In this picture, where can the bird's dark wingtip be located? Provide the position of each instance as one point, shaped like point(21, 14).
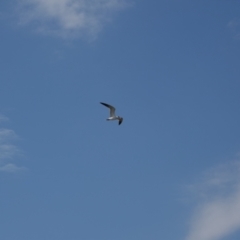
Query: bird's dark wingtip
point(120, 121)
point(105, 104)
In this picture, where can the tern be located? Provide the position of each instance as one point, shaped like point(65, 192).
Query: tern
point(112, 113)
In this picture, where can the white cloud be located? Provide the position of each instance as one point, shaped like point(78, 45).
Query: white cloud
point(69, 18)
point(217, 215)
point(8, 151)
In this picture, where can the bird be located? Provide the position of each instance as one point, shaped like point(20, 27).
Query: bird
point(112, 113)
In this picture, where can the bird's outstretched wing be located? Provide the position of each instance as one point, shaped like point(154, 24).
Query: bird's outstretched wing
point(112, 109)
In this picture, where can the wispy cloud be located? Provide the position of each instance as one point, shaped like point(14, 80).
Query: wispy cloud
point(10, 167)
point(8, 151)
point(217, 214)
point(69, 18)
point(3, 118)
point(234, 26)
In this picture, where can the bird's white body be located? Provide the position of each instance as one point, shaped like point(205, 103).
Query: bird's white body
point(113, 118)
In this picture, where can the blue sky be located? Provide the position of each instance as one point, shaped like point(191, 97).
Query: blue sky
point(170, 171)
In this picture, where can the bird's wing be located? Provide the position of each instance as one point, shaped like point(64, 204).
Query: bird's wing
point(112, 109)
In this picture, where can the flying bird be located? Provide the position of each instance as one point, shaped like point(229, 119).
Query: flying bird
point(112, 113)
